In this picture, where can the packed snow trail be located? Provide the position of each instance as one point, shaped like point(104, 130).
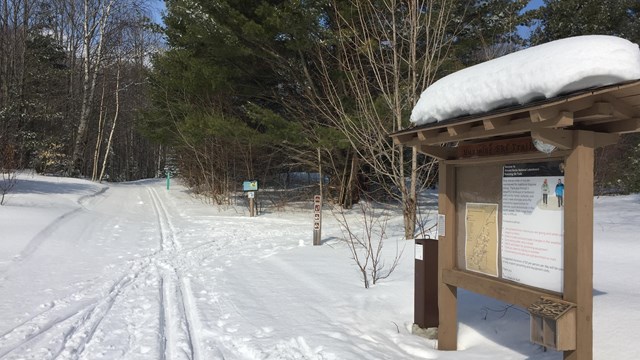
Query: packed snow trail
point(67, 326)
point(122, 280)
point(133, 271)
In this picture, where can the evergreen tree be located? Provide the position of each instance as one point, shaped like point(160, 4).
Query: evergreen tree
point(618, 166)
point(230, 77)
point(559, 19)
point(489, 29)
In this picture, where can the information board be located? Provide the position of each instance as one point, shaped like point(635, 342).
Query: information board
point(533, 224)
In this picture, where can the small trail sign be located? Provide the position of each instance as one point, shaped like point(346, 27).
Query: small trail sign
point(317, 219)
point(250, 187)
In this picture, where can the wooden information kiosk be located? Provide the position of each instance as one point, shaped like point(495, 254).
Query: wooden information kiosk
point(511, 231)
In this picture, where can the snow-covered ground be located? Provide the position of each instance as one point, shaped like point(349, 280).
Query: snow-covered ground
point(133, 271)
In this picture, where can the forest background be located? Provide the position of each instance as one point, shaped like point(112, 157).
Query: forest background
point(226, 91)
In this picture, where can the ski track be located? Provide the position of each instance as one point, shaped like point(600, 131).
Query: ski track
point(78, 319)
point(80, 334)
point(68, 325)
point(34, 244)
point(179, 315)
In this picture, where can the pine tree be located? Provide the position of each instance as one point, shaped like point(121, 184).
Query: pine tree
point(229, 78)
point(618, 165)
point(559, 19)
point(489, 29)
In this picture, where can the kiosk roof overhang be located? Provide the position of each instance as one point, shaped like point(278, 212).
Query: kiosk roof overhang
point(612, 109)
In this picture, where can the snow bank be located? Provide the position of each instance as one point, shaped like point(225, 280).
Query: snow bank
point(542, 71)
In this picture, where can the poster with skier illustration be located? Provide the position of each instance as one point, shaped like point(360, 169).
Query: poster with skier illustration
point(533, 224)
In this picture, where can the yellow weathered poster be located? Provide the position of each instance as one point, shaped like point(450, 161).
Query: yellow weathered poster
point(481, 245)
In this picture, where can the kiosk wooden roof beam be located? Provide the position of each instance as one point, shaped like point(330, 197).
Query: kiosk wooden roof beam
point(613, 109)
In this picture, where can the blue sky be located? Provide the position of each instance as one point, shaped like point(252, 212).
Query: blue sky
point(534, 4)
point(158, 6)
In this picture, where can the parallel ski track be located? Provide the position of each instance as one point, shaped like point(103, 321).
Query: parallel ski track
point(177, 303)
point(83, 330)
point(84, 321)
point(178, 314)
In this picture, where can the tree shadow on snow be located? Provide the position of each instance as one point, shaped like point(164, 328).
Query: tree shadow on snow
point(25, 186)
point(504, 324)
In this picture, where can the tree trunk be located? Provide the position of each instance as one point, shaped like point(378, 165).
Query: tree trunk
point(113, 126)
point(99, 137)
point(89, 79)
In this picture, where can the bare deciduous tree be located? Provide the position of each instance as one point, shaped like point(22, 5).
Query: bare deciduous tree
point(8, 174)
point(366, 241)
point(8, 179)
point(96, 19)
point(386, 52)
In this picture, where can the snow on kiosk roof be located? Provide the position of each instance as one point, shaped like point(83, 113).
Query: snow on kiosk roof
point(581, 83)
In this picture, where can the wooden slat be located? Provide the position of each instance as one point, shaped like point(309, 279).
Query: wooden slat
point(424, 135)
point(458, 130)
point(602, 139)
point(631, 100)
point(498, 289)
point(621, 109)
point(618, 127)
point(403, 138)
point(544, 114)
point(627, 90)
point(564, 119)
point(494, 123)
point(586, 124)
point(598, 110)
point(438, 152)
point(509, 158)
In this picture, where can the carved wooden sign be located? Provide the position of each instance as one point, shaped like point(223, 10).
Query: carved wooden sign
point(496, 148)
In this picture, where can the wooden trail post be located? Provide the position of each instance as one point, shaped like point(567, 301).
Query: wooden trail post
point(252, 205)
point(250, 187)
point(317, 220)
point(492, 169)
point(317, 208)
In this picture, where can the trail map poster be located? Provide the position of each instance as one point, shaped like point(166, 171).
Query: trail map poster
point(481, 245)
point(533, 224)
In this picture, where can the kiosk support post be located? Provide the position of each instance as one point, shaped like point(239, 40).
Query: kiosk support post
point(578, 241)
point(447, 294)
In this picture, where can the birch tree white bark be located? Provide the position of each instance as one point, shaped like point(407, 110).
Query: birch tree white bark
point(113, 125)
point(96, 18)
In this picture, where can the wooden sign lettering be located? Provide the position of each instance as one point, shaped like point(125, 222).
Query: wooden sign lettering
point(496, 148)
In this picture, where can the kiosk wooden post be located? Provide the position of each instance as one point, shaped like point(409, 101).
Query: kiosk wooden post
point(474, 154)
point(578, 241)
point(447, 294)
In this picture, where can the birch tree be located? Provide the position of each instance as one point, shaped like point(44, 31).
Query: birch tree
point(96, 18)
